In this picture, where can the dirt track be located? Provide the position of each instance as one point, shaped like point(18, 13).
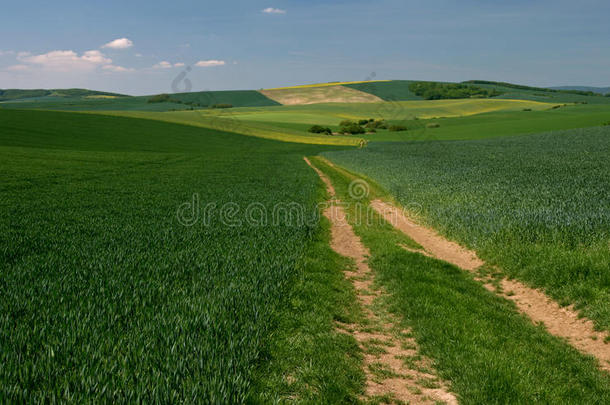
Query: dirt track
point(562, 322)
point(392, 364)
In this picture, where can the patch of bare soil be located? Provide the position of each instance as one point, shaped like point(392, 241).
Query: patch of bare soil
point(329, 186)
point(394, 369)
point(412, 250)
point(562, 322)
point(432, 242)
point(325, 94)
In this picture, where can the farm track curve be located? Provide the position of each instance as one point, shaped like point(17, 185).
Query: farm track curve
point(563, 322)
point(386, 346)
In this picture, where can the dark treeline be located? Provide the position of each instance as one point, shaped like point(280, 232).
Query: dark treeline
point(439, 91)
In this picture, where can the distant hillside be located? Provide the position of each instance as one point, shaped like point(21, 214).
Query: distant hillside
point(373, 91)
point(89, 100)
point(20, 94)
point(392, 90)
point(522, 92)
point(523, 87)
point(235, 98)
point(599, 90)
point(303, 95)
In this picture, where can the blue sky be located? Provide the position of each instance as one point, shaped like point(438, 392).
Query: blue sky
point(260, 44)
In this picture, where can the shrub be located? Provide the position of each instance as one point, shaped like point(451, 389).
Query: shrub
point(433, 125)
point(318, 129)
point(160, 98)
point(372, 130)
point(439, 91)
point(377, 124)
point(222, 105)
point(353, 129)
point(527, 109)
point(346, 123)
point(363, 122)
point(397, 128)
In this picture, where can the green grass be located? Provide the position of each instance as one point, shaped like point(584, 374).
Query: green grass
point(291, 123)
point(477, 341)
point(465, 119)
point(543, 95)
point(498, 124)
point(398, 90)
point(458, 119)
point(91, 132)
point(537, 205)
point(394, 90)
point(226, 121)
point(106, 297)
point(139, 103)
point(237, 98)
point(309, 360)
point(40, 94)
point(333, 113)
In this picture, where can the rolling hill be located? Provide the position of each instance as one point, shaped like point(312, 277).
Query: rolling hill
point(600, 90)
point(41, 94)
point(375, 91)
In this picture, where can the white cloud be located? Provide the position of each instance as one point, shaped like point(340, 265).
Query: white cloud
point(139, 55)
point(66, 60)
point(95, 57)
point(167, 65)
point(17, 68)
point(271, 10)
point(121, 43)
point(2, 53)
point(208, 63)
point(117, 69)
point(162, 65)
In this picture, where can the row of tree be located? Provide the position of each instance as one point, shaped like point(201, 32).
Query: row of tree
point(166, 98)
point(349, 127)
point(440, 91)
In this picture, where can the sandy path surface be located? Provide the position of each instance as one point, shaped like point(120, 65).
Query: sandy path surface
point(562, 322)
point(392, 364)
